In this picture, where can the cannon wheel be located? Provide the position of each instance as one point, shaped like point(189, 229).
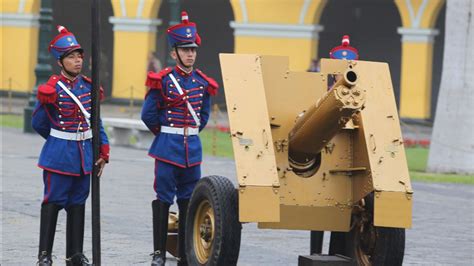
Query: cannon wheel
point(212, 226)
point(368, 244)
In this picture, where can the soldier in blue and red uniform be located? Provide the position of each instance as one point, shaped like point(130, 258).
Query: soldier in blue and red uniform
point(62, 117)
point(345, 52)
point(176, 109)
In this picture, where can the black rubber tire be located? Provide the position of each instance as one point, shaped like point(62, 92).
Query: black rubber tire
point(391, 243)
point(388, 247)
point(222, 196)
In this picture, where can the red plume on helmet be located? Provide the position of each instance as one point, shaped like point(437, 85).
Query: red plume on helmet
point(62, 29)
point(345, 50)
point(345, 40)
point(184, 17)
point(198, 39)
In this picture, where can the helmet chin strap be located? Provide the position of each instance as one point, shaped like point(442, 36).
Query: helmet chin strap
point(179, 58)
point(70, 73)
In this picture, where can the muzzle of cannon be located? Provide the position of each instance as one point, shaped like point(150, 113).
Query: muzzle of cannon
point(317, 125)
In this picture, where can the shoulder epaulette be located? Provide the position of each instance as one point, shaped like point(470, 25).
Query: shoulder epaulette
point(213, 86)
point(47, 92)
point(153, 80)
point(86, 78)
point(89, 80)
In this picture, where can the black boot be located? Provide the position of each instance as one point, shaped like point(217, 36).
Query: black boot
point(49, 218)
point(78, 259)
point(183, 208)
point(75, 236)
point(160, 231)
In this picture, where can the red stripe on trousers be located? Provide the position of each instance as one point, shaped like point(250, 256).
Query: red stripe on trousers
point(48, 182)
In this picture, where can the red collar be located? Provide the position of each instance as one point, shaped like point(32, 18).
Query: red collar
point(66, 80)
point(181, 72)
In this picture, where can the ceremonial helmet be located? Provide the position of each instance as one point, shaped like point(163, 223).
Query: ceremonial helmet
point(64, 43)
point(183, 34)
point(344, 51)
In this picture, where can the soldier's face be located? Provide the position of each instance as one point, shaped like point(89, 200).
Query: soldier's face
point(187, 55)
point(72, 63)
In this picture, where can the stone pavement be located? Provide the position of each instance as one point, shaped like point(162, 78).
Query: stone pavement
point(442, 233)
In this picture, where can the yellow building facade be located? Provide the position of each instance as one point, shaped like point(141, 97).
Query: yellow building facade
point(275, 27)
point(418, 32)
point(18, 44)
point(134, 25)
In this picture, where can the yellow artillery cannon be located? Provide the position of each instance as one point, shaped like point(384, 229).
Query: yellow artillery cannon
point(308, 157)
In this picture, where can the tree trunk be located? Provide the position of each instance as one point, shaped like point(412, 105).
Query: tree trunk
point(452, 142)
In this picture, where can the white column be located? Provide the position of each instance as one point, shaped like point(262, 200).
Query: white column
point(277, 30)
point(418, 35)
point(19, 20)
point(135, 25)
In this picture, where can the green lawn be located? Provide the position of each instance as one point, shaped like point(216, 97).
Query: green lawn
point(442, 178)
point(417, 159)
point(15, 121)
point(218, 143)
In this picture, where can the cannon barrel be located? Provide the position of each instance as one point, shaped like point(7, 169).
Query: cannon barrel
point(315, 127)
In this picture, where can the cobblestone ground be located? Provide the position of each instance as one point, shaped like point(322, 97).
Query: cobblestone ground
point(442, 233)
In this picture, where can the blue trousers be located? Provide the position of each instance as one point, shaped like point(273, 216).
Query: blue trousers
point(65, 190)
point(171, 181)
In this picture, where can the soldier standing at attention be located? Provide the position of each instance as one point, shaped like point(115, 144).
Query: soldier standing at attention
point(62, 117)
point(343, 52)
point(176, 109)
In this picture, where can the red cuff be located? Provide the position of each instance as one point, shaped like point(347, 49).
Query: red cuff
point(104, 152)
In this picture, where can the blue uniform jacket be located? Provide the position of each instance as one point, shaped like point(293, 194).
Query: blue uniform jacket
point(164, 106)
point(55, 109)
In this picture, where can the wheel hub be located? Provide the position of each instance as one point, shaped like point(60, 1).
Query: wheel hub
point(365, 238)
point(204, 229)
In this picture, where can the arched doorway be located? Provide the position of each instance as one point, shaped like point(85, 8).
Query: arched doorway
point(372, 26)
point(217, 36)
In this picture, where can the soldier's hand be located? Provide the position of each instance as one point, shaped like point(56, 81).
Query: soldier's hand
point(101, 163)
